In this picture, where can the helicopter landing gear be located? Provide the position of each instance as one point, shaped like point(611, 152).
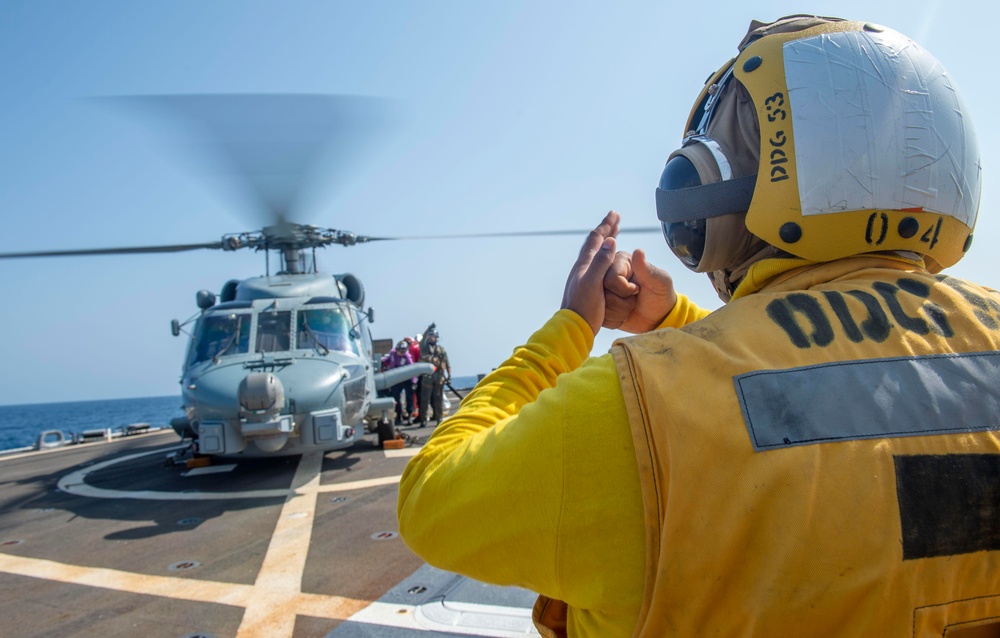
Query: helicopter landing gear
point(386, 431)
point(185, 456)
point(390, 438)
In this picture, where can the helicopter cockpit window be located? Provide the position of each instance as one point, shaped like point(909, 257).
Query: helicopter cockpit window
point(274, 331)
point(222, 335)
point(325, 329)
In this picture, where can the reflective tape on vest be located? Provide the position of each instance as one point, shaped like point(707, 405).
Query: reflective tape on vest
point(877, 398)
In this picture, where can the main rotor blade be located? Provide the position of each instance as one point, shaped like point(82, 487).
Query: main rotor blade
point(526, 233)
point(270, 149)
point(176, 248)
point(348, 239)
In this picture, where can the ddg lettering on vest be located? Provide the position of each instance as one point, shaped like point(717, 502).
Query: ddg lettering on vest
point(813, 319)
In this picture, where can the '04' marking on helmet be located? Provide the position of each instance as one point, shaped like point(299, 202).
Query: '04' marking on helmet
point(877, 229)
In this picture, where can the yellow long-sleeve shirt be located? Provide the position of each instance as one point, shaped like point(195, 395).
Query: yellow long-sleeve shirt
point(533, 482)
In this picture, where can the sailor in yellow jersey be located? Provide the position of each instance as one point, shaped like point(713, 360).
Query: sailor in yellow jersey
point(821, 455)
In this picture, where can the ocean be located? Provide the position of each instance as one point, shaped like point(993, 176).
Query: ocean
point(20, 425)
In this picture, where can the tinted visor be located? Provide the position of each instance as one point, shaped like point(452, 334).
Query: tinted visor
point(685, 238)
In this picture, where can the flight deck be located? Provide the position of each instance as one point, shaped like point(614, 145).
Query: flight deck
point(114, 539)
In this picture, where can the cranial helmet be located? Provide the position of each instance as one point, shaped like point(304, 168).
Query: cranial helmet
point(823, 138)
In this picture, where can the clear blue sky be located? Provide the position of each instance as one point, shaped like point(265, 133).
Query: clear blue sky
point(517, 116)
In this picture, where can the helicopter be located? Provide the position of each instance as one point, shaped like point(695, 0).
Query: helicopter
point(283, 363)
point(293, 348)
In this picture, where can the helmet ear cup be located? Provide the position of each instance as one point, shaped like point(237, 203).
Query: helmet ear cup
point(686, 220)
point(723, 149)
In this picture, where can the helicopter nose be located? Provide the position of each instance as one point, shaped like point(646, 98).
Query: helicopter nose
point(262, 397)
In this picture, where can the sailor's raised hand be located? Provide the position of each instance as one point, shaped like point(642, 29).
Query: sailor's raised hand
point(584, 293)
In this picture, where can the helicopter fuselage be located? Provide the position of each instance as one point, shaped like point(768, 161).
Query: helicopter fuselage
point(283, 365)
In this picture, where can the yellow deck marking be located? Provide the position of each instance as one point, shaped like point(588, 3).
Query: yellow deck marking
point(195, 590)
point(279, 580)
point(271, 604)
point(406, 452)
point(165, 586)
point(357, 485)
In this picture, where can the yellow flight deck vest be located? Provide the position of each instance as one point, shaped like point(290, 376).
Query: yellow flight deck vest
point(823, 458)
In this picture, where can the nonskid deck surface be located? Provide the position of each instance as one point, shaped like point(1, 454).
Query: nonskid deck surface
point(110, 540)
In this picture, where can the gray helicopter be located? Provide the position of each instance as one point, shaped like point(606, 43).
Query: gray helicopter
point(283, 363)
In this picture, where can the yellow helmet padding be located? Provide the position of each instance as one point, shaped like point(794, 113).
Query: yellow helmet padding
point(939, 227)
